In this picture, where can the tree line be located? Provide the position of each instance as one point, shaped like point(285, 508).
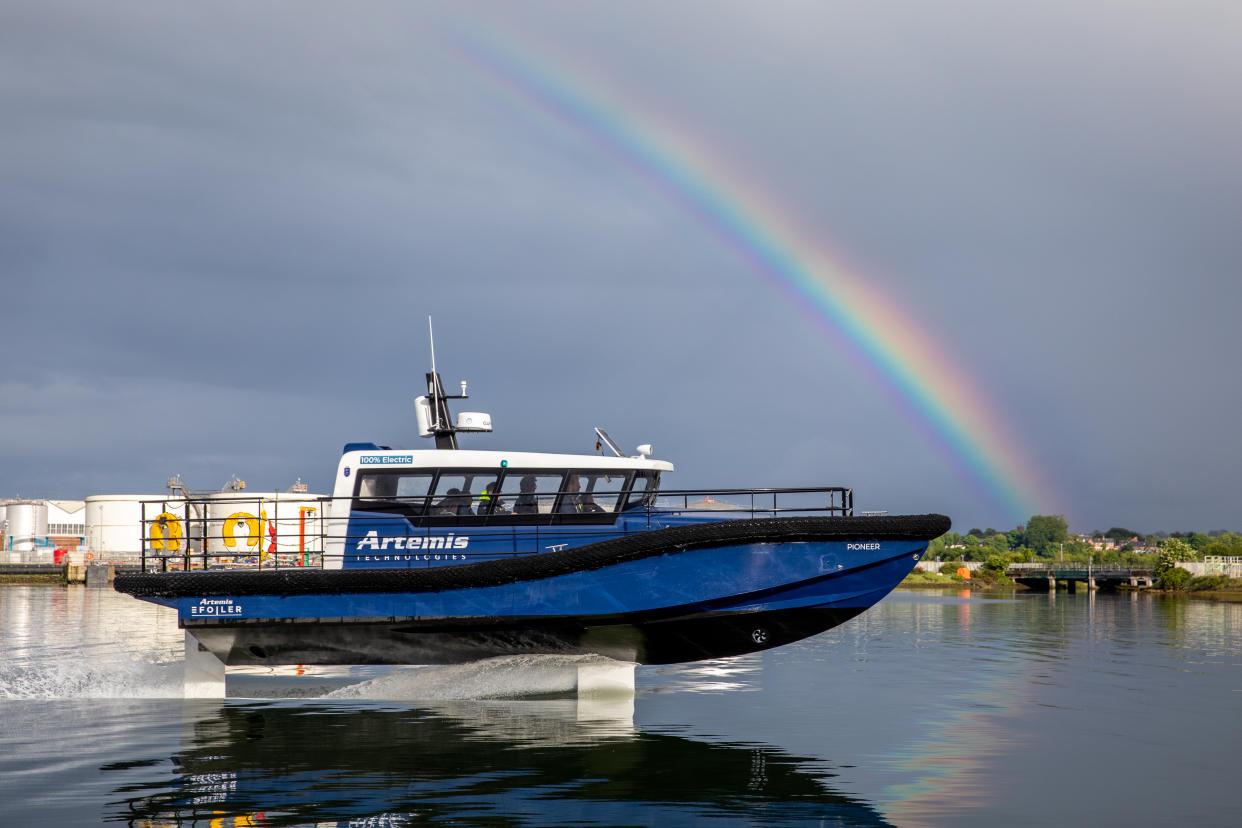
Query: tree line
point(1047, 538)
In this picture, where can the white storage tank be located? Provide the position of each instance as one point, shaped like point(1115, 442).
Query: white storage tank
point(6, 555)
point(115, 531)
point(27, 524)
point(241, 525)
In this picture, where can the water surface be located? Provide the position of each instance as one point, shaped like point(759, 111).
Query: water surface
point(930, 709)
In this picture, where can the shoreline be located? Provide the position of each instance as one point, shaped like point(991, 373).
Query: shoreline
point(33, 580)
point(1233, 594)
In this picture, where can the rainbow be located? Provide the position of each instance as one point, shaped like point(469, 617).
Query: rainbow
point(937, 395)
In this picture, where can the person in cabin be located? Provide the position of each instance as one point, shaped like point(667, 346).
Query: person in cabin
point(485, 501)
point(448, 504)
point(587, 504)
point(571, 503)
point(526, 503)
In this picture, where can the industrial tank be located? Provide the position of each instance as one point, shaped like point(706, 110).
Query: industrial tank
point(27, 525)
point(241, 525)
point(115, 532)
point(6, 556)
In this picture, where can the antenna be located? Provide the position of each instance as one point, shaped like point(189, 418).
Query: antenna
point(431, 334)
point(432, 413)
point(433, 381)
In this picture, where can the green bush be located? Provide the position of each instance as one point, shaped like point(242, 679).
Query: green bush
point(991, 576)
point(996, 563)
point(1172, 552)
point(1208, 582)
point(1175, 578)
point(949, 568)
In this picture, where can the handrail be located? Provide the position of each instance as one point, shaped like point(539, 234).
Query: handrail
point(241, 532)
point(1076, 566)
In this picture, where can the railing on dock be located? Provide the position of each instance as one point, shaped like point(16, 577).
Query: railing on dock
point(1230, 565)
point(262, 533)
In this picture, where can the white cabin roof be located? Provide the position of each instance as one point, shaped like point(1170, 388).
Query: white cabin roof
point(450, 459)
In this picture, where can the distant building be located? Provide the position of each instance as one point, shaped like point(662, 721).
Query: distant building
point(1103, 544)
point(66, 523)
point(34, 529)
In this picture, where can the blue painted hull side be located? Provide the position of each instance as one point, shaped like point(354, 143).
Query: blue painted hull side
point(741, 578)
point(375, 540)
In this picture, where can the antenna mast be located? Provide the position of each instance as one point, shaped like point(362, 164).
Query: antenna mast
point(431, 335)
point(432, 410)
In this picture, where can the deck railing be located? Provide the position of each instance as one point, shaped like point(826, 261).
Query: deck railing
point(239, 532)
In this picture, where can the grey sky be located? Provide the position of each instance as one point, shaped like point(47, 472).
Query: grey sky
point(222, 228)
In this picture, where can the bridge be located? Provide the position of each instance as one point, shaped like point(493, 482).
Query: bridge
point(1045, 575)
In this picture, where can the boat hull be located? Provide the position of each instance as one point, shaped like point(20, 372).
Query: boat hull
point(667, 641)
point(674, 595)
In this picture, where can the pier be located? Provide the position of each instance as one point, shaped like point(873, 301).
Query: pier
point(100, 575)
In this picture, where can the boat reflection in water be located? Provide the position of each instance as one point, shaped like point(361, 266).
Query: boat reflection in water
point(535, 762)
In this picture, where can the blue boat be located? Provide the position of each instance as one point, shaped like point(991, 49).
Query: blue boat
point(448, 555)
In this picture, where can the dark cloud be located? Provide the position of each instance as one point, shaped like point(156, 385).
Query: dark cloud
point(222, 230)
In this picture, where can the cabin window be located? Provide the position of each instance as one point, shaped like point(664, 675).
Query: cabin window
point(529, 493)
point(596, 492)
point(644, 484)
point(394, 491)
point(493, 496)
point(461, 494)
point(371, 486)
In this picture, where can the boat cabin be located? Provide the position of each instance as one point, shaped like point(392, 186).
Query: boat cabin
point(491, 488)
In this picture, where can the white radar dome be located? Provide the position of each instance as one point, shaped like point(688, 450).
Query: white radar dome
point(474, 421)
